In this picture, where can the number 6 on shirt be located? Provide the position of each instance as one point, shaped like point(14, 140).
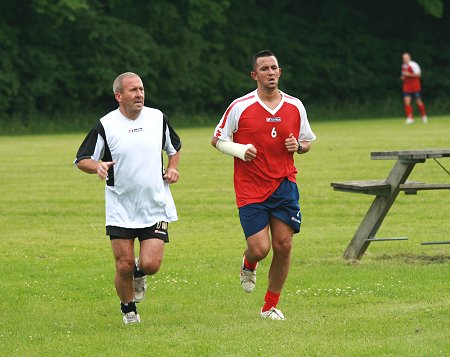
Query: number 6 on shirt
point(273, 133)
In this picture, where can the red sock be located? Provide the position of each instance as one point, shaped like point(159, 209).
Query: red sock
point(422, 109)
point(248, 265)
point(408, 111)
point(270, 300)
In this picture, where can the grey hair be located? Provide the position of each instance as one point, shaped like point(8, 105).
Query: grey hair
point(117, 85)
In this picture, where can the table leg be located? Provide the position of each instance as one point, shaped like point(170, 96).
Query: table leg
point(379, 209)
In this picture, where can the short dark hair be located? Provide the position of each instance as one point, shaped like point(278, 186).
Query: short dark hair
point(263, 53)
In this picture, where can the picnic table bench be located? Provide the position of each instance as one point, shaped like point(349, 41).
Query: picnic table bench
point(386, 191)
point(381, 188)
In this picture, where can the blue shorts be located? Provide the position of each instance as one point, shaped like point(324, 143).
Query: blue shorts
point(282, 204)
point(412, 94)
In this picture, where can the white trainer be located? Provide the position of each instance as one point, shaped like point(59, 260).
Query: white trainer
point(131, 318)
point(424, 119)
point(409, 121)
point(140, 285)
point(272, 314)
point(248, 278)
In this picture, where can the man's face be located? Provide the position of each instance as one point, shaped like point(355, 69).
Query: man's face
point(267, 72)
point(406, 58)
point(131, 100)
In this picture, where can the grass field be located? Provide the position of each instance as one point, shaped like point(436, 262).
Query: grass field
point(56, 266)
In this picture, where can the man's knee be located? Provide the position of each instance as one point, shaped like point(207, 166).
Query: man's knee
point(259, 252)
point(150, 267)
point(125, 265)
point(151, 256)
point(258, 246)
point(282, 246)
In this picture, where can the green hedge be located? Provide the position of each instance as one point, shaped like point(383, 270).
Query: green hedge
point(194, 55)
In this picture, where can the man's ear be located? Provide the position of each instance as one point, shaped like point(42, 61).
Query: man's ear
point(253, 74)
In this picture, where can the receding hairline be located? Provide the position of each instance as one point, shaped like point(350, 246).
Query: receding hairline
point(261, 54)
point(117, 84)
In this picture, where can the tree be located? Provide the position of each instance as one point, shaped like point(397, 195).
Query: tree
point(59, 56)
point(433, 7)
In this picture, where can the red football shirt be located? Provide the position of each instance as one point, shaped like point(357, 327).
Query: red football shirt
point(249, 121)
point(411, 84)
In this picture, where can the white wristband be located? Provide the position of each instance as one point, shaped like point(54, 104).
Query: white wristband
point(232, 148)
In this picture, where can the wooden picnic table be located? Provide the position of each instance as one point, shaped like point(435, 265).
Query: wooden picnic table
point(386, 191)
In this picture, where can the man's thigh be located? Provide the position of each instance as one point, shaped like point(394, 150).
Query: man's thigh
point(259, 243)
point(151, 250)
point(281, 232)
point(123, 248)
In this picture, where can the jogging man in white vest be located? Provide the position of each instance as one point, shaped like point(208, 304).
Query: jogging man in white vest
point(124, 148)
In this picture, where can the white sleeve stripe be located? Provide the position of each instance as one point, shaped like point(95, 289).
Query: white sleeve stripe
point(306, 134)
point(415, 67)
point(169, 148)
point(99, 148)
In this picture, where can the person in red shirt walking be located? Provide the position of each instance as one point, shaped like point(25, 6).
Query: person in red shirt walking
point(263, 130)
point(412, 88)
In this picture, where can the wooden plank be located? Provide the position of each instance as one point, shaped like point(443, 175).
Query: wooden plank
point(412, 188)
point(373, 187)
point(424, 186)
point(410, 154)
point(380, 187)
point(361, 184)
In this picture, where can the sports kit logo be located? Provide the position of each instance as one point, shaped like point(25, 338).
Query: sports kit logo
point(298, 219)
point(131, 131)
point(161, 227)
point(273, 120)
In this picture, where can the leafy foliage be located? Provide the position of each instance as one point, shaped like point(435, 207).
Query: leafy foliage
point(61, 56)
point(433, 7)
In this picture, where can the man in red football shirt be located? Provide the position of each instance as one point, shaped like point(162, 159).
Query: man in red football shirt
point(263, 130)
point(410, 76)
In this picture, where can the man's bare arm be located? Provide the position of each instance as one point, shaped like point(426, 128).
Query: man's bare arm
point(91, 166)
point(172, 175)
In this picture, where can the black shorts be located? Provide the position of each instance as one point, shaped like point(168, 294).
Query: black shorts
point(415, 95)
point(158, 231)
